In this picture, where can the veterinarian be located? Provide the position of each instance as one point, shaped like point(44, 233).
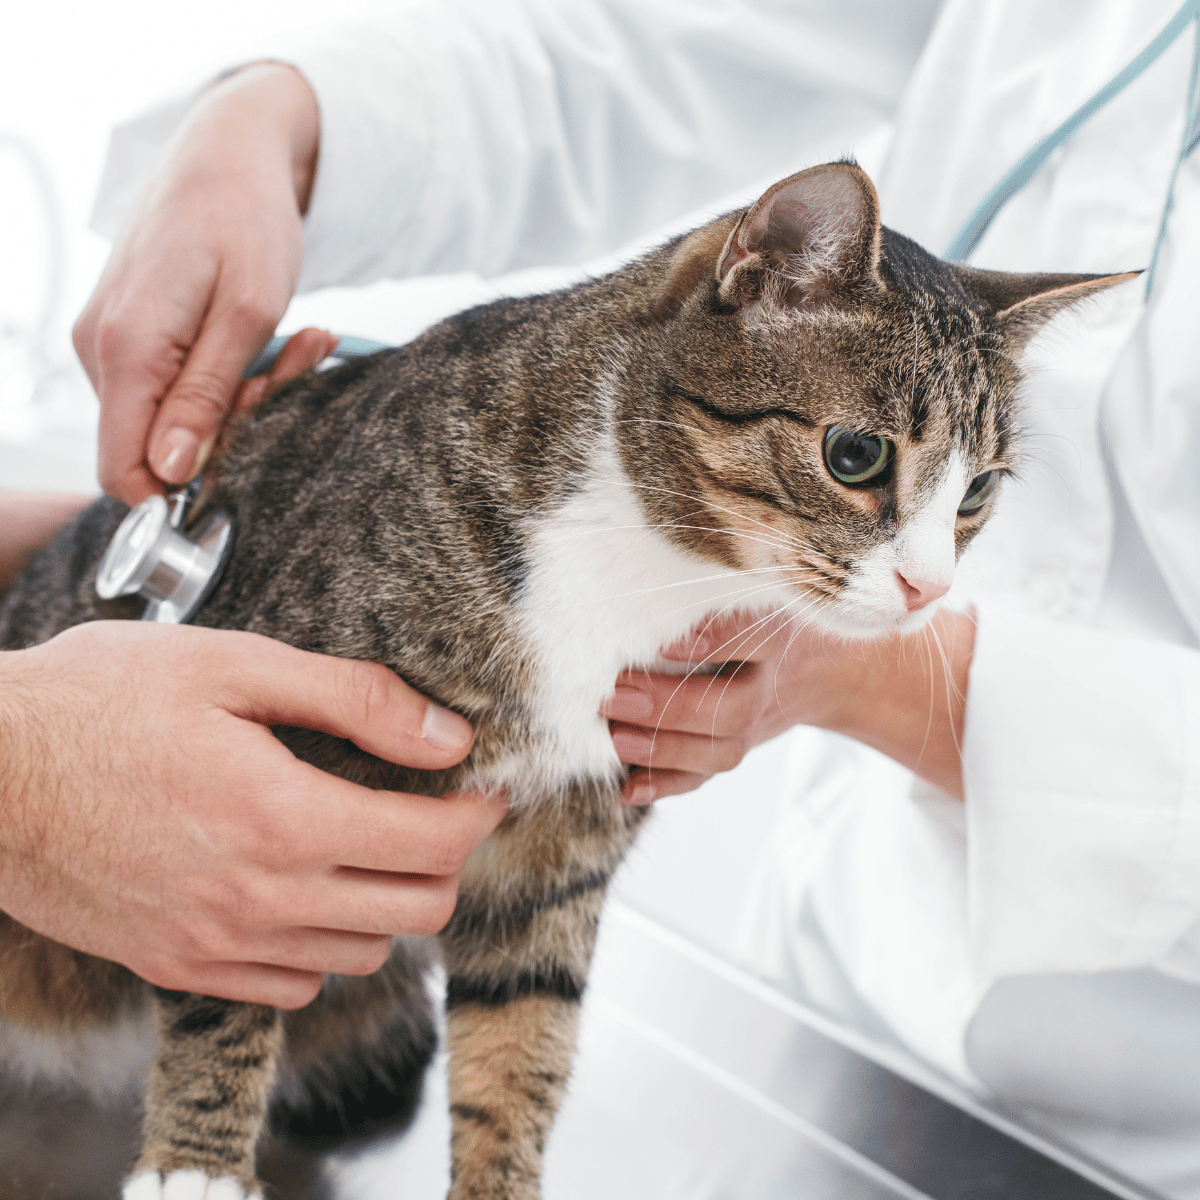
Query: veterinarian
point(1040, 941)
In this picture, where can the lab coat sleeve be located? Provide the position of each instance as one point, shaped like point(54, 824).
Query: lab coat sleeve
point(1081, 764)
point(490, 135)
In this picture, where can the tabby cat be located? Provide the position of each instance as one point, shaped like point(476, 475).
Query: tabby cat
point(791, 409)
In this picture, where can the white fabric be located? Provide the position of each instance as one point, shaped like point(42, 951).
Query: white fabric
point(494, 135)
point(489, 135)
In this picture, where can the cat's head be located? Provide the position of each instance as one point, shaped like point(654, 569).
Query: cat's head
point(831, 404)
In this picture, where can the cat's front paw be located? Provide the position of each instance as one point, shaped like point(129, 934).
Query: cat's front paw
point(186, 1185)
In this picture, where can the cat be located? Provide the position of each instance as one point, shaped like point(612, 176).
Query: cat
point(791, 410)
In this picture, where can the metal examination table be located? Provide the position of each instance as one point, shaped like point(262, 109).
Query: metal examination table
point(693, 1081)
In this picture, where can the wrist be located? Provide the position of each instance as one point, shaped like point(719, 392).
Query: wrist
point(907, 696)
point(266, 111)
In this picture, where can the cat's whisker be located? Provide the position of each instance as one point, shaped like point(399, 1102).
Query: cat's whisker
point(738, 593)
point(953, 692)
point(692, 671)
point(739, 599)
point(923, 643)
point(1001, 354)
point(677, 525)
point(741, 638)
point(705, 504)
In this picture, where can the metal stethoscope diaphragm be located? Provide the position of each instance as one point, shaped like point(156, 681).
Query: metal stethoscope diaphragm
point(176, 572)
point(150, 556)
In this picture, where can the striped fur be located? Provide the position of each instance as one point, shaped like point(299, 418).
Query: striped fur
point(531, 497)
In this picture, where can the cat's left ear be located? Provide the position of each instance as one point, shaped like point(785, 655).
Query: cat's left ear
point(810, 239)
point(1024, 303)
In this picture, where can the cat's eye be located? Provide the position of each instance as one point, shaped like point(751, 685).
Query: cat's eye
point(978, 494)
point(856, 458)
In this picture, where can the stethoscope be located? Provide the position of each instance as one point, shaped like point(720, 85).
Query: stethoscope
point(1022, 171)
point(151, 555)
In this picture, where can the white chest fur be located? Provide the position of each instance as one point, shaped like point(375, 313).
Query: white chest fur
point(606, 592)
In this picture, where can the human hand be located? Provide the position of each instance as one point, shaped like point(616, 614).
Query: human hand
point(905, 696)
point(199, 277)
point(679, 730)
point(147, 815)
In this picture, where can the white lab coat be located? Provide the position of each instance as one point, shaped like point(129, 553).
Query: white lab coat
point(498, 134)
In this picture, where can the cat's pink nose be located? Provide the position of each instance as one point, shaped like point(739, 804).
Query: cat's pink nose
point(919, 592)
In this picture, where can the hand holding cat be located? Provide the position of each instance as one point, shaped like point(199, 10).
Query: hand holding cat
point(202, 271)
point(905, 696)
point(150, 817)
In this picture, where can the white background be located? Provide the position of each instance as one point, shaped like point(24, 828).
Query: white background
point(69, 71)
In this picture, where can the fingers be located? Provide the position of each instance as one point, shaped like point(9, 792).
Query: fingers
point(299, 951)
point(738, 638)
point(253, 983)
point(365, 702)
point(302, 352)
point(195, 407)
point(665, 753)
point(201, 272)
point(644, 787)
point(389, 832)
point(130, 368)
point(713, 705)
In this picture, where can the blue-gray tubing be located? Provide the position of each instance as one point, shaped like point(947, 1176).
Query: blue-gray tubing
point(976, 225)
point(347, 347)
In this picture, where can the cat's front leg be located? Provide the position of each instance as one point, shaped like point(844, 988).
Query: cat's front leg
point(517, 953)
point(207, 1099)
point(508, 1070)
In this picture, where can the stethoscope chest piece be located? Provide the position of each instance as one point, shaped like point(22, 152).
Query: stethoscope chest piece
point(149, 556)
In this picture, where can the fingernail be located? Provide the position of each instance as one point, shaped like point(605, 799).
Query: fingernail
point(702, 647)
point(444, 729)
point(627, 702)
point(202, 455)
point(642, 794)
point(252, 392)
point(177, 456)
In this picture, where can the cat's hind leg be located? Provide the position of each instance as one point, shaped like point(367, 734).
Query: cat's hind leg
point(354, 1059)
point(207, 1100)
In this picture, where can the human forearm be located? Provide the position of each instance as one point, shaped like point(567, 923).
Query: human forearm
point(907, 698)
point(29, 520)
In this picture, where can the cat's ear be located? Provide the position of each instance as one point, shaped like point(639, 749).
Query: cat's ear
point(1024, 303)
point(811, 239)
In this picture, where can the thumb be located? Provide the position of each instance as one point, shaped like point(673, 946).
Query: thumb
point(194, 409)
point(275, 684)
